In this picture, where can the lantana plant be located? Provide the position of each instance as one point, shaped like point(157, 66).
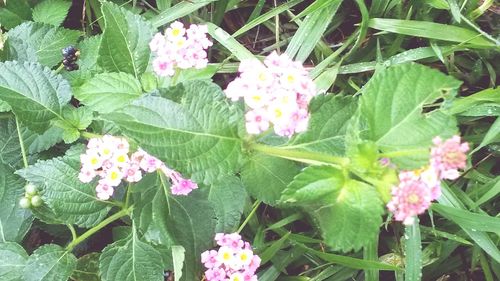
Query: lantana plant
point(143, 155)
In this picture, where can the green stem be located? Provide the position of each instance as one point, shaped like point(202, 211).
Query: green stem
point(98, 227)
point(407, 152)
point(174, 79)
point(73, 232)
point(255, 207)
point(301, 156)
point(21, 143)
point(58, 70)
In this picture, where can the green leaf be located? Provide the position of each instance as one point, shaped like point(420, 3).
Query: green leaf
point(50, 263)
point(192, 224)
point(12, 261)
point(35, 94)
point(71, 200)
point(198, 137)
point(89, 52)
point(178, 259)
point(352, 219)
point(327, 127)
point(131, 259)
point(51, 11)
point(151, 209)
point(313, 184)
point(431, 30)
point(10, 150)
point(392, 105)
point(46, 140)
point(87, 268)
point(42, 42)
point(228, 197)
point(108, 92)
point(14, 13)
point(265, 177)
point(14, 221)
point(129, 35)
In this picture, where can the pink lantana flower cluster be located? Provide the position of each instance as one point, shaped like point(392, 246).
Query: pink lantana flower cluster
point(108, 158)
point(180, 48)
point(417, 189)
point(234, 260)
point(277, 93)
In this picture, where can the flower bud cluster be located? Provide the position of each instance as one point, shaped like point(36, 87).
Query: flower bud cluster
point(31, 197)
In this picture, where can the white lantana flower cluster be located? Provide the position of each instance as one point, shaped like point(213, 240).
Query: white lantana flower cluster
point(277, 93)
point(108, 157)
point(180, 48)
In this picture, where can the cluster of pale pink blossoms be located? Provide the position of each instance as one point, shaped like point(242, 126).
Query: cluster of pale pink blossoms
point(276, 92)
point(418, 188)
point(108, 157)
point(180, 48)
point(234, 261)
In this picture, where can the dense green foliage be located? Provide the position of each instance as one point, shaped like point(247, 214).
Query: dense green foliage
point(392, 75)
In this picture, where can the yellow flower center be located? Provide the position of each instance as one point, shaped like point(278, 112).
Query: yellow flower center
point(290, 78)
point(106, 151)
point(94, 161)
point(121, 159)
point(243, 257)
point(413, 198)
point(226, 256)
point(278, 113)
point(114, 175)
point(176, 31)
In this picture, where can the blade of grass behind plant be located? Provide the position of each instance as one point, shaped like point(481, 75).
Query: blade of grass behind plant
point(413, 252)
point(476, 222)
point(257, 10)
point(220, 9)
point(370, 252)
point(229, 42)
point(265, 17)
point(349, 261)
point(163, 4)
point(431, 30)
point(310, 31)
point(177, 11)
point(481, 238)
point(316, 5)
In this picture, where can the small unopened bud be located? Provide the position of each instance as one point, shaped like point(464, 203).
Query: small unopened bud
point(31, 189)
point(24, 203)
point(36, 201)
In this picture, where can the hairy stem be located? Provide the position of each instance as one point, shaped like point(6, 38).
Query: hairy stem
point(98, 227)
point(21, 143)
point(301, 156)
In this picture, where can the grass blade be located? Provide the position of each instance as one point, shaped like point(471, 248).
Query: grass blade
point(177, 11)
point(413, 252)
point(229, 42)
point(476, 222)
point(265, 17)
point(431, 30)
point(310, 32)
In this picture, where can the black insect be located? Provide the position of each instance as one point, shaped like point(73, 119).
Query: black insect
point(70, 56)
